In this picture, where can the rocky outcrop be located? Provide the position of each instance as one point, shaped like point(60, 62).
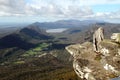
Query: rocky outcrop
point(91, 66)
point(97, 38)
point(116, 37)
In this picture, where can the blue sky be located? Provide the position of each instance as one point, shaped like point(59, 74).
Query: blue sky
point(106, 8)
point(52, 10)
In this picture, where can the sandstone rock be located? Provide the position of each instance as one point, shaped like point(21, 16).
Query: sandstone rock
point(87, 67)
point(97, 38)
point(116, 37)
point(91, 66)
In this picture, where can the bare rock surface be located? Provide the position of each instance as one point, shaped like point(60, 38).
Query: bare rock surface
point(89, 65)
point(116, 37)
point(98, 36)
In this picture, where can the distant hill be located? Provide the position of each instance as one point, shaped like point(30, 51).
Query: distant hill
point(8, 30)
point(48, 25)
point(14, 40)
point(75, 35)
point(35, 32)
point(65, 24)
point(24, 38)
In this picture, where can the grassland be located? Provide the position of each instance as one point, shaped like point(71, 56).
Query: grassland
point(36, 50)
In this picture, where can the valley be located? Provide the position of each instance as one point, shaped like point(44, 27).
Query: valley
point(32, 53)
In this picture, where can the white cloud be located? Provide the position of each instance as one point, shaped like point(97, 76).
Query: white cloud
point(98, 2)
point(57, 8)
point(107, 15)
point(12, 7)
point(78, 2)
point(63, 8)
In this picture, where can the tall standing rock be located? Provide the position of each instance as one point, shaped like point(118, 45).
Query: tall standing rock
point(98, 36)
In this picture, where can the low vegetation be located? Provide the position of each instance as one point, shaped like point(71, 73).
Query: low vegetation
point(36, 50)
point(44, 68)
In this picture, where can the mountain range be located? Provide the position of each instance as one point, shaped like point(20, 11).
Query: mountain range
point(66, 24)
point(32, 52)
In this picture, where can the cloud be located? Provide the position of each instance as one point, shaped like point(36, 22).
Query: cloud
point(11, 7)
point(107, 15)
point(77, 9)
point(56, 8)
point(98, 2)
point(46, 10)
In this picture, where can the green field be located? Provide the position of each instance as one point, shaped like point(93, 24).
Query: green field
point(19, 62)
point(36, 50)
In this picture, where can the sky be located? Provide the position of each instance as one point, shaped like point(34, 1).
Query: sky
point(52, 10)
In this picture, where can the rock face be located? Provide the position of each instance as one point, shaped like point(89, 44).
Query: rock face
point(91, 66)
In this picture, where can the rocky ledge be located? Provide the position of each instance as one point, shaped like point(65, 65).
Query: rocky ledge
point(91, 65)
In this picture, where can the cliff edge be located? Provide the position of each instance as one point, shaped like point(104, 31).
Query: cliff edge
point(96, 65)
